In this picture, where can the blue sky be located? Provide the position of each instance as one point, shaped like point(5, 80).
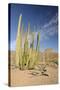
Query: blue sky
point(41, 18)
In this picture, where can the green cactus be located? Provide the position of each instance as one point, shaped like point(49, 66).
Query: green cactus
point(25, 53)
point(32, 41)
point(31, 63)
point(38, 42)
point(18, 44)
point(26, 58)
point(37, 48)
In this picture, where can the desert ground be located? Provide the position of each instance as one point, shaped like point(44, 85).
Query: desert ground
point(33, 77)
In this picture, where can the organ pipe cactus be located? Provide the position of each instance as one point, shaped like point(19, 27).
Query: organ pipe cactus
point(32, 53)
point(18, 45)
point(38, 42)
point(32, 46)
point(25, 53)
point(37, 48)
point(26, 58)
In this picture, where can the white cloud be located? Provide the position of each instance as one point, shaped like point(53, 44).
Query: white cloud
point(52, 21)
point(50, 28)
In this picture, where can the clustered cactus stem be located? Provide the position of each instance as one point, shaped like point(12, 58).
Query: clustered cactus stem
point(38, 42)
point(18, 44)
point(26, 57)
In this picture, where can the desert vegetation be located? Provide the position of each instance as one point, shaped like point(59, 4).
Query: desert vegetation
point(27, 57)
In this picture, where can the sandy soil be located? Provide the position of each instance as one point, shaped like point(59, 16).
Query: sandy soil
point(22, 78)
